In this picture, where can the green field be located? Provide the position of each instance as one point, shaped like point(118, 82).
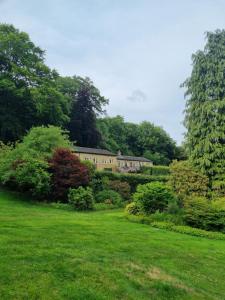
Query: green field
point(50, 253)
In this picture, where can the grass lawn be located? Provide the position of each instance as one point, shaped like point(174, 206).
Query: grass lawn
point(50, 253)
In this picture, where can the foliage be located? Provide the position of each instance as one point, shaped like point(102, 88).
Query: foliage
point(170, 226)
point(155, 170)
point(205, 107)
point(108, 197)
point(28, 91)
point(145, 140)
point(91, 167)
point(42, 141)
point(200, 213)
point(123, 188)
point(67, 172)
point(133, 208)
point(81, 198)
point(185, 180)
point(86, 103)
point(218, 203)
point(153, 196)
point(132, 179)
point(32, 176)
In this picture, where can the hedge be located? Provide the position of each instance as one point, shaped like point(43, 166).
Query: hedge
point(156, 170)
point(131, 178)
point(177, 228)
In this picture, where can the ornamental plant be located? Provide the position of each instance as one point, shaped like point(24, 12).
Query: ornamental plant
point(67, 172)
point(81, 198)
point(153, 196)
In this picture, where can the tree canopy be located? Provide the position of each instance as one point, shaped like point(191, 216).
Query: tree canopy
point(143, 139)
point(205, 108)
point(28, 90)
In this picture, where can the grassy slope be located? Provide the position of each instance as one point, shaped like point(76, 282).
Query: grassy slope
point(48, 253)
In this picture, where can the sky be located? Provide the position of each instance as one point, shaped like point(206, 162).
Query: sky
point(137, 52)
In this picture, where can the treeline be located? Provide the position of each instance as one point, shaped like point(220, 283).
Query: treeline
point(32, 94)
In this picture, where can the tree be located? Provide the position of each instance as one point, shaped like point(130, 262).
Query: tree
point(205, 109)
point(28, 90)
point(67, 172)
point(86, 103)
point(143, 139)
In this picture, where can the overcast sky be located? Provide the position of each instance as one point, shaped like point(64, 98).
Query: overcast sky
point(137, 52)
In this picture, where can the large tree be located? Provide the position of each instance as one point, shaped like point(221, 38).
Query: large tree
point(28, 90)
point(143, 139)
point(205, 108)
point(86, 103)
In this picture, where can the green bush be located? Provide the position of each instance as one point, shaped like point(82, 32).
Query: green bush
point(81, 199)
point(133, 208)
point(153, 196)
point(91, 167)
point(199, 212)
point(155, 170)
point(176, 228)
point(186, 181)
point(123, 188)
point(108, 197)
point(25, 166)
point(132, 179)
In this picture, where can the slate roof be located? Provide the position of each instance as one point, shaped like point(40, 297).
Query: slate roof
point(93, 151)
point(133, 158)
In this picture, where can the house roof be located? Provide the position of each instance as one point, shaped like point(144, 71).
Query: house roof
point(133, 158)
point(93, 151)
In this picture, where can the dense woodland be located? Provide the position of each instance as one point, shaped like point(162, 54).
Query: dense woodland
point(32, 94)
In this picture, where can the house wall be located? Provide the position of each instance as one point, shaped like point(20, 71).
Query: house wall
point(101, 162)
point(131, 165)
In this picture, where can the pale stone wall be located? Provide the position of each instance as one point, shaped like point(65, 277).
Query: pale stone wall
point(101, 161)
point(108, 162)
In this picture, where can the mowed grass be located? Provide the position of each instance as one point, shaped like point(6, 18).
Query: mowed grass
point(49, 253)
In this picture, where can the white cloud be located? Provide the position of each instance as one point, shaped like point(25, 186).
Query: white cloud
point(133, 50)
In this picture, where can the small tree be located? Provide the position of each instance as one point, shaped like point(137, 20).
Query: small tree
point(67, 172)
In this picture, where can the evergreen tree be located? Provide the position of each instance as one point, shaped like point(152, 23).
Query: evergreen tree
point(205, 109)
point(86, 104)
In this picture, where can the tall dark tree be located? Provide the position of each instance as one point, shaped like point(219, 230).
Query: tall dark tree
point(205, 109)
point(86, 105)
point(28, 91)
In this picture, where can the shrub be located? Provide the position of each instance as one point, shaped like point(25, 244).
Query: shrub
point(133, 208)
point(32, 175)
point(123, 188)
point(109, 197)
point(186, 181)
point(218, 203)
point(42, 141)
point(91, 167)
point(176, 228)
point(81, 198)
point(132, 179)
point(67, 172)
point(200, 213)
point(153, 196)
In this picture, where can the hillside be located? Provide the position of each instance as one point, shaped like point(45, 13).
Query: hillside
point(51, 253)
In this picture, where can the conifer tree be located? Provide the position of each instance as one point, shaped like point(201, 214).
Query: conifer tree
point(205, 109)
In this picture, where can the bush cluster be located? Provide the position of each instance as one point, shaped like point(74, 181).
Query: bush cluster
point(132, 179)
point(201, 213)
point(123, 188)
point(186, 181)
point(108, 197)
point(153, 196)
point(81, 198)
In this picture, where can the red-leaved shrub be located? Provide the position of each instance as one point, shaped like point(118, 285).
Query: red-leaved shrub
point(67, 172)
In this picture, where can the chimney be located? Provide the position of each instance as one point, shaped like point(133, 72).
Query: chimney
point(119, 153)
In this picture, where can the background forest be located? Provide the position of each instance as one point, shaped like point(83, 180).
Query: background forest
point(31, 94)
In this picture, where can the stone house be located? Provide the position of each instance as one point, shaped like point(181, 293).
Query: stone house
point(108, 161)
